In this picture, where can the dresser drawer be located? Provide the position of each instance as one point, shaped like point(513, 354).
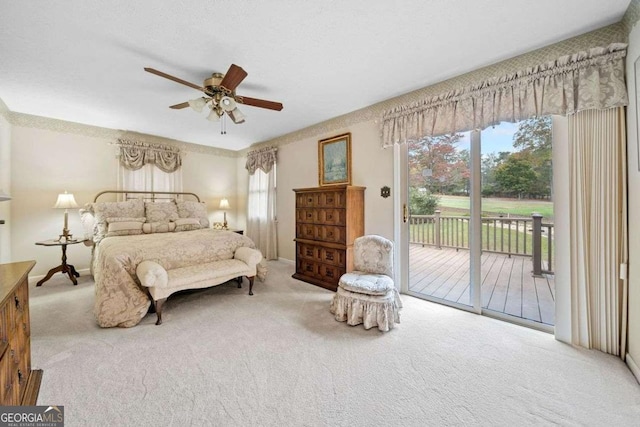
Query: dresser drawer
point(307, 268)
point(306, 200)
point(330, 273)
point(306, 231)
point(332, 256)
point(307, 251)
point(305, 215)
point(330, 233)
point(331, 199)
point(331, 216)
point(6, 367)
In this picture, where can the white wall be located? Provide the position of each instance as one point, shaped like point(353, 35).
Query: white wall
point(45, 163)
point(372, 167)
point(5, 185)
point(633, 52)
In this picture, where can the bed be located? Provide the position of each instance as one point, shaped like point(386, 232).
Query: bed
point(163, 228)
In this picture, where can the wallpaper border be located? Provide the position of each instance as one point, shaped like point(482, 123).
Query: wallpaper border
point(631, 16)
point(55, 125)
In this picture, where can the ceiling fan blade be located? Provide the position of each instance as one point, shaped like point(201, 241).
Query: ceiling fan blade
point(235, 75)
point(255, 102)
point(175, 79)
point(179, 106)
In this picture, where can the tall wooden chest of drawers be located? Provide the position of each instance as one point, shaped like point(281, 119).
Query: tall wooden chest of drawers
point(19, 385)
point(328, 220)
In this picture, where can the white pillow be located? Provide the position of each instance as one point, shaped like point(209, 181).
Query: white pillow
point(187, 224)
point(121, 226)
point(158, 227)
point(192, 209)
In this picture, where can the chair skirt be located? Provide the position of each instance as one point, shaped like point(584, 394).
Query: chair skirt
point(382, 311)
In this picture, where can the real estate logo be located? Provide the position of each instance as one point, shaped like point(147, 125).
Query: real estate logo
point(31, 416)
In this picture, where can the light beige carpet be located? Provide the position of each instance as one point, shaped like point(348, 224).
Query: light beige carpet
point(279, 358)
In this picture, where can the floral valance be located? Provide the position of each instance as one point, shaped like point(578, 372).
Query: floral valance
point(263, 158)
point(583, 81)
point(134, 155)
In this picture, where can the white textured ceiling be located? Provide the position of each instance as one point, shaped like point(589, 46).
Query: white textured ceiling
point(83, 60)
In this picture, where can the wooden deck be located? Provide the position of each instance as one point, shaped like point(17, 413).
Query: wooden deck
point(507, 283)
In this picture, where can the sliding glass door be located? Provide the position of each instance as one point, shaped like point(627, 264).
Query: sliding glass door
point(478, 225)
point(440, 224)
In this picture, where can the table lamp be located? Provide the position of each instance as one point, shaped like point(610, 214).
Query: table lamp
point(65, 201)
point(224, 205)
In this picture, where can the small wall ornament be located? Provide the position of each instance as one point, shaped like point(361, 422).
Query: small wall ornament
point(385, 192)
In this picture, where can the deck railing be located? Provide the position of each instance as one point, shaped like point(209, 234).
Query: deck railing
point(511, 236)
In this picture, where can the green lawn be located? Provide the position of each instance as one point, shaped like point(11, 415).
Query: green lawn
point(497, 206)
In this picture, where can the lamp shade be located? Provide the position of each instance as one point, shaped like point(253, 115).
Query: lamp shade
point(65, 201)
point(213, 116)
point(198, 104)
point(227, 103)
point(224, 204)
point(236, 115)
point(4, 196)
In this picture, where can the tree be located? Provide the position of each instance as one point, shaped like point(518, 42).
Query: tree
point(516, 175)
point(533, 138)
point(488, 167)
point(447, 164)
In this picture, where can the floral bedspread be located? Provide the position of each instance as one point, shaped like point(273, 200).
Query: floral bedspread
point(120, 299)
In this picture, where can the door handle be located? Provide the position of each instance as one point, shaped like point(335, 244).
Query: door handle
point(405, 213)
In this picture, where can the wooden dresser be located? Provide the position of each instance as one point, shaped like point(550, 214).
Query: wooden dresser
point(328, 220)
point(19, 385)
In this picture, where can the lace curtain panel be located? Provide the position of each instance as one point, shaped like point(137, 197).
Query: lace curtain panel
point(134, 155)
point(263, 159)
point(572, 83)
point(261, 201)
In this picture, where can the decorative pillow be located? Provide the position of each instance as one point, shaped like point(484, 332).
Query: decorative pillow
point(191, 209)
point(161, 211)
point(88, 220)
point(158, 227)
point(187, 224)
point(103, 210)
point(121, 226)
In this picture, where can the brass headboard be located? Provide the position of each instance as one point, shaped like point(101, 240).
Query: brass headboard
point(147, 195)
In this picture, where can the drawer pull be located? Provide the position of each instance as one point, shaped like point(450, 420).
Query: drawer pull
point(309, 268)
point(329, 216)
point(329, 256)
point(309, 215)
point(309, 252)
point(329, 273)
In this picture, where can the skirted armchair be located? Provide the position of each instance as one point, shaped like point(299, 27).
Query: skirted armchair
point(368, 295)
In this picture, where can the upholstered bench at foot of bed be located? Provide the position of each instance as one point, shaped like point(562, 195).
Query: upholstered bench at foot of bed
point(162, 283)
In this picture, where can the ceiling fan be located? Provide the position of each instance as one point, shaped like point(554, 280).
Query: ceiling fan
point(220, 91)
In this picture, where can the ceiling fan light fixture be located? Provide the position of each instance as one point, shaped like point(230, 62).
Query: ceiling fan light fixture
point(236, 115)
point(198, 104)
point(213, 116)
point(227, 103)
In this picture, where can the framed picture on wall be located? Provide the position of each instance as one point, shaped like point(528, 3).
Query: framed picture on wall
point(334, 160)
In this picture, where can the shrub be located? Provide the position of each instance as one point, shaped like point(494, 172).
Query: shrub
point(422, 203)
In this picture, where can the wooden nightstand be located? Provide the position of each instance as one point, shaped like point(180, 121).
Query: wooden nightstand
point(63, 268)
